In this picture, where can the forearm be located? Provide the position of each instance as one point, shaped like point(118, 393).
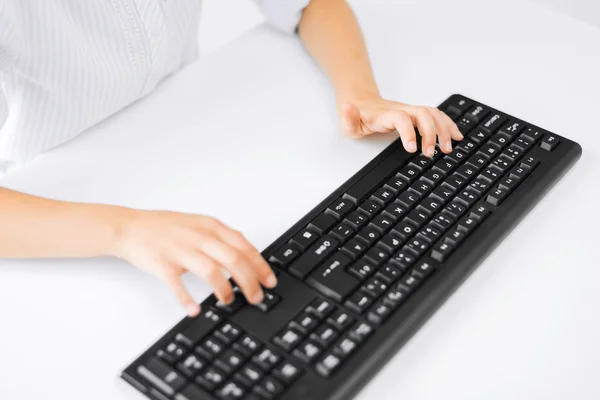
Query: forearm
point(34, 227)
point(332, 36)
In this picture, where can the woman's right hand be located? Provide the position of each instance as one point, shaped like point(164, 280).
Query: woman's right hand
point(167, 244)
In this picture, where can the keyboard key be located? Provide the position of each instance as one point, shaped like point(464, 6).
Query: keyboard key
point(360, 331)
point(513, 152)
point(321, 308)
point(508, 184)
point(443, 194)
point(421, 162)
point(496, 196)
point(550, 142)
point(328, 365)
point(519, 173)
point(480, 185)
point(314, 256)
point(210, 348)
point(228, 333)
point(468, 197)
point(331, 278)
point(441, 251)
point(455, 182)
point(285, 255)
point(250, 373)
point(191, 365)
point(395, 297)
point(417, 218)
point(356, 219)
point(403, 259)
point(198, 329)
point(269, 301)
point(529, 162)
point(266, 359)
point(324, 335)
point(230, 391)
point(477, 161)
point(457, 156)
point(422, 270)
point(408, 199)
point(172, 352)
point(368, 235)
point(305, 238)
point(382, 223)
point(246, 345)
point(454, 237)
point(433, 176)
point(477, 113)
point(421, 188)
point(210, 378)
point(229, 361)
point(533, 134)
point(492, 174)
point(492, 123)
point(383, 196)
point(162, 376)
point(499, 140)
point(379, 313)
point(305, 322)
point(467, 225)
point(512, 128)
point(342, 232)
point(489, 150)
point(288, 339)
point(404, 230)
point(375, 287)
point(408, 283)
point(465, 125)
point(455, 210)
point(358, 302)
point(443, 221)
point(362, 269)
point(430, 205)
point(395, 211)
point(269, 388)
point(340, 320)
point(308, 351)
point(429, 233)
point(459, 107)
point(445, 166)
point(340, 208)
point(377, 255)
point(481, 212)
point(523, 143)
point(345, 347)
point(479, 136)
point(286, 372)
point(396, 184)
point(467, 146)
point(466, 172)
point(369, 207)
point(322, 223)
point(409, 173)
point(418, 246)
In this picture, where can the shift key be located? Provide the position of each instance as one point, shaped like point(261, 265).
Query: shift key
point(314, 256)
point(331, 278)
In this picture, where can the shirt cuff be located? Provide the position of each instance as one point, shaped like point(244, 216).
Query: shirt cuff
point(283, 14)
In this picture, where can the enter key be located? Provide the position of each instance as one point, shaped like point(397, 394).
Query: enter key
point(331, 278)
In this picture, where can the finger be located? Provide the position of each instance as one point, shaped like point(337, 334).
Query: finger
point(184, 297)
point(424, 121)
point(234, 262)
point(351, 125)
point(454, 131)
point(260, 267)
point(443, 130)
point(210, 271)
point(405, 128)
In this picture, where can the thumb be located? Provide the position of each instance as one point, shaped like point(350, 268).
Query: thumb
point(351, 121)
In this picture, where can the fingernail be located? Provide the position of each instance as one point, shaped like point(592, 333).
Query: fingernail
point(193, 309)
point(430, 151)
point(258, 297)
point(411, 146)
point(448, 146)
point(271, 281)
point(461, 135)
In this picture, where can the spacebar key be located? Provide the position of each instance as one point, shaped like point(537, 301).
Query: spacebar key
point(361, 189)
point(315, 255)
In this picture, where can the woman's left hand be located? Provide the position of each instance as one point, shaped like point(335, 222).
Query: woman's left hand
point(373, 114)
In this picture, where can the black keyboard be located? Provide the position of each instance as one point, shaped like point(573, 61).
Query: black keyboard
point(362, 271)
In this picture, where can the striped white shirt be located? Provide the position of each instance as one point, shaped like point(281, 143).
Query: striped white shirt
point(65, 65)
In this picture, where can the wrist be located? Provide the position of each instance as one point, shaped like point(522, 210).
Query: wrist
point(357, 96)
point(113, 222)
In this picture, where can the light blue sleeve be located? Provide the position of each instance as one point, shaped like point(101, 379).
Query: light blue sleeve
point(284, 14)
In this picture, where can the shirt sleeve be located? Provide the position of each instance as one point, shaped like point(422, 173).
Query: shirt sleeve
point(283, 14)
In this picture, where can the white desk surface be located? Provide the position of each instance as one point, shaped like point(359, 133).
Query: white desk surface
point(249, 135)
